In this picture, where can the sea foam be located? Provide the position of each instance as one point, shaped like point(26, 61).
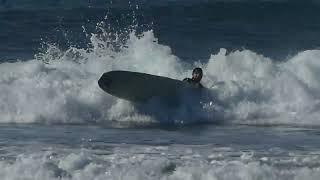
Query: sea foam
point(158, 162)
point(60, 86)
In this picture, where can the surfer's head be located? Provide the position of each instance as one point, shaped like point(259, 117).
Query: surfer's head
point(197, 74)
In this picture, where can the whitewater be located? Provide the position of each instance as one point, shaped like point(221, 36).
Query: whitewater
point(61, 86)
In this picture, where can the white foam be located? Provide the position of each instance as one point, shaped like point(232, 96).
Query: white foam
point(65, 88)
point(61, 86)
point(146, 162)
point(261, 91)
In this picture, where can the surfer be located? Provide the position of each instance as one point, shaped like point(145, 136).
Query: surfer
point(196, 78)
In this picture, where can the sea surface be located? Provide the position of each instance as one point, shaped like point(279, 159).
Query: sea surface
point(259, 121)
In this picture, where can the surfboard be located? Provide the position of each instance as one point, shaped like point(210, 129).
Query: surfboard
point(141, 87)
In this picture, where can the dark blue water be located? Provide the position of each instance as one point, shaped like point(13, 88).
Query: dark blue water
point(193, 29)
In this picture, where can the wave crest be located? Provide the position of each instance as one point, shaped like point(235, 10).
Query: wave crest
point(61, 86)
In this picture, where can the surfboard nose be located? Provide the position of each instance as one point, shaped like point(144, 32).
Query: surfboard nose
point(104, 82)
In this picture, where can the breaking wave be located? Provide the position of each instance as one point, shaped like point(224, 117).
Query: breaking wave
point(60, 86)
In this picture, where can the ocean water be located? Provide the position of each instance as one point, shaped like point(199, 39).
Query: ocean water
point(260, 120)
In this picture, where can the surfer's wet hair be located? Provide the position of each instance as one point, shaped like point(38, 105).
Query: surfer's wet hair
point(197, 71)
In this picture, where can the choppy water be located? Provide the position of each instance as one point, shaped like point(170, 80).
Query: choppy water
point(261, 63)
point(202, 152)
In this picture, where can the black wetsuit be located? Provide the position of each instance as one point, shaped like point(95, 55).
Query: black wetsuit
point(190, 81)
